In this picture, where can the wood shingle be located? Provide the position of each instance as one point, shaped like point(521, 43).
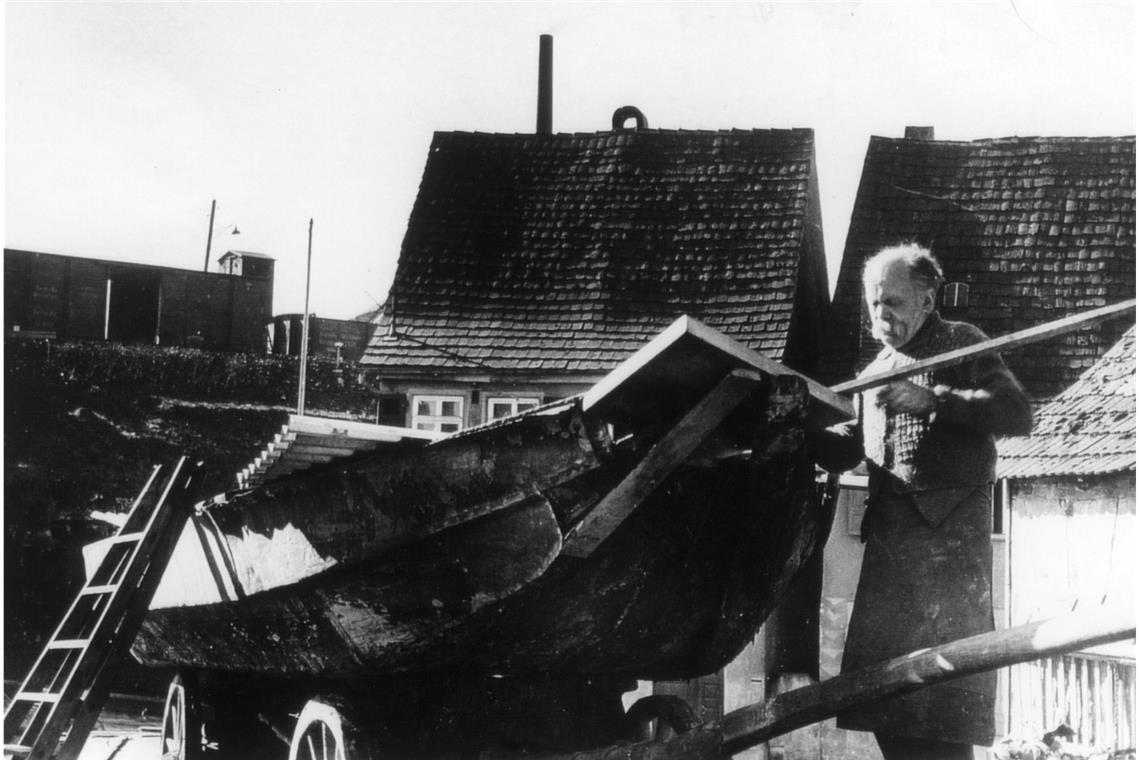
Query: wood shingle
point(565, 253)
point(1037, 228)
point(1090, 429)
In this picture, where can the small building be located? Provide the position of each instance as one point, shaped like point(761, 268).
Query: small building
point(344, 339)
point(246, 264)
point(1070, 501)
point(67, 297)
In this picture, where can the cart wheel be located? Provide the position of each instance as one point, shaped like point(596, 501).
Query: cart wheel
point(181, 720)
point(325, 731)
point(658, 718)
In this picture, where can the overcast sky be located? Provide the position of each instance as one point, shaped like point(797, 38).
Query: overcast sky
point(123, 121)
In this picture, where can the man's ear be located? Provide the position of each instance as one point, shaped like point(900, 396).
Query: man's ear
point(928, 301)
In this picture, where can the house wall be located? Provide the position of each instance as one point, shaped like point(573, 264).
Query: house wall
point(474, 392)
point(1072, 546)
point(1072, 542)
point(66, 297)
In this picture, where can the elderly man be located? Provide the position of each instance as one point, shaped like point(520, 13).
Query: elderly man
point(929, 447)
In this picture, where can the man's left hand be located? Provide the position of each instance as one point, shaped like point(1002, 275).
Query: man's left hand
point(903, 396)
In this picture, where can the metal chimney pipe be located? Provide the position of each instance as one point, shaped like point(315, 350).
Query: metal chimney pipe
point(544, 125)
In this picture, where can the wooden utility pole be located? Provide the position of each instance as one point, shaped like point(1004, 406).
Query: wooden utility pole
point(305, 328)
point(210, 236)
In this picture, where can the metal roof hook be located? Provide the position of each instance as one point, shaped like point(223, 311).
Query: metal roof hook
point(625, 113)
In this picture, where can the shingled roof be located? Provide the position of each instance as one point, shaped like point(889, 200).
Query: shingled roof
point(565, 253)
point(1037, 227)
point(1090, 429)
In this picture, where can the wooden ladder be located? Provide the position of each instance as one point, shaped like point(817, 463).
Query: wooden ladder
point(64, 692)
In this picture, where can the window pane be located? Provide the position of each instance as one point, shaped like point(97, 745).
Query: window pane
point(500, 409)
point(424, 408)
point(449, 427)
point(525, 405)
point(425, 426)
point(449, 409)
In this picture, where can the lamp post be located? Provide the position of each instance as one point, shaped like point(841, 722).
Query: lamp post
point(210, 235)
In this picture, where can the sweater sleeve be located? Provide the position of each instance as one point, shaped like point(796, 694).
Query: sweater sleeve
point(986, 397)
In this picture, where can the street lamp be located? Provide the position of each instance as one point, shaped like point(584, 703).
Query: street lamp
point(210, 235)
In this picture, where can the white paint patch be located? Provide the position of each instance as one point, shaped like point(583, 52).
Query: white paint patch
point(285, 557)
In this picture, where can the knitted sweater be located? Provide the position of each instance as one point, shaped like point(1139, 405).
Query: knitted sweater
point(953, 446)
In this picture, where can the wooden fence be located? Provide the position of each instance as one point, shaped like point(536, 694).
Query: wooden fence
point(1094, 695)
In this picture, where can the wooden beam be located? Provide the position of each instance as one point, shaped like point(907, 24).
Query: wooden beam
point(318, 439)
point(1013, 340)
point(748, 726)
point(324, 426)
point(673, 448)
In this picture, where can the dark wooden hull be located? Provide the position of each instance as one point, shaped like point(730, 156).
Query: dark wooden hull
point(462, 556)
point(678, 589)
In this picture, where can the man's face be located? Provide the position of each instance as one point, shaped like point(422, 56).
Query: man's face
point(897, 304)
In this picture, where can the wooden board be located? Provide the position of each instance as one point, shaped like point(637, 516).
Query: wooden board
point(305, 441)
point(1048, 330)
point(678, 367)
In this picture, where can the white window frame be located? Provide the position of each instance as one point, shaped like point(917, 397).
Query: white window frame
point(436, 420)
point(513, 401)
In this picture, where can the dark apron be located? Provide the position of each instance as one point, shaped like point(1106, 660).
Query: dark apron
point(926, 580)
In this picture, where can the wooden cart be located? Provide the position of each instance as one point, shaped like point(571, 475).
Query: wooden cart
point(504, 719)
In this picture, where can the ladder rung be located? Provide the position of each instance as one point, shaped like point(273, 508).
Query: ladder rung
point(17, 749)
point(109, 588)
point(68, 643)
point(124, 538)
point(38, 696)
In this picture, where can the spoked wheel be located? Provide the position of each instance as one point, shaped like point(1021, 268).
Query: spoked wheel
point(325, 731)
point(658, 718)
point(181, 721)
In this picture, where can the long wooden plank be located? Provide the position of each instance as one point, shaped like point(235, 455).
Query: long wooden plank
point(305, 440)
point(310, 441)
point(1013, 340)
point(977, 654)
point(324, 426)
point(665, 455)
point(759, 722)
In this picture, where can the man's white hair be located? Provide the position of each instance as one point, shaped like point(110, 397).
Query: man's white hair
point(920, 263)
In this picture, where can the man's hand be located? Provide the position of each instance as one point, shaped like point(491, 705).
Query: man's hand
point(903, 396)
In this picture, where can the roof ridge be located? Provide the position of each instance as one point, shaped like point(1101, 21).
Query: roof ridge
point(797, 131)
point(1008, 139)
